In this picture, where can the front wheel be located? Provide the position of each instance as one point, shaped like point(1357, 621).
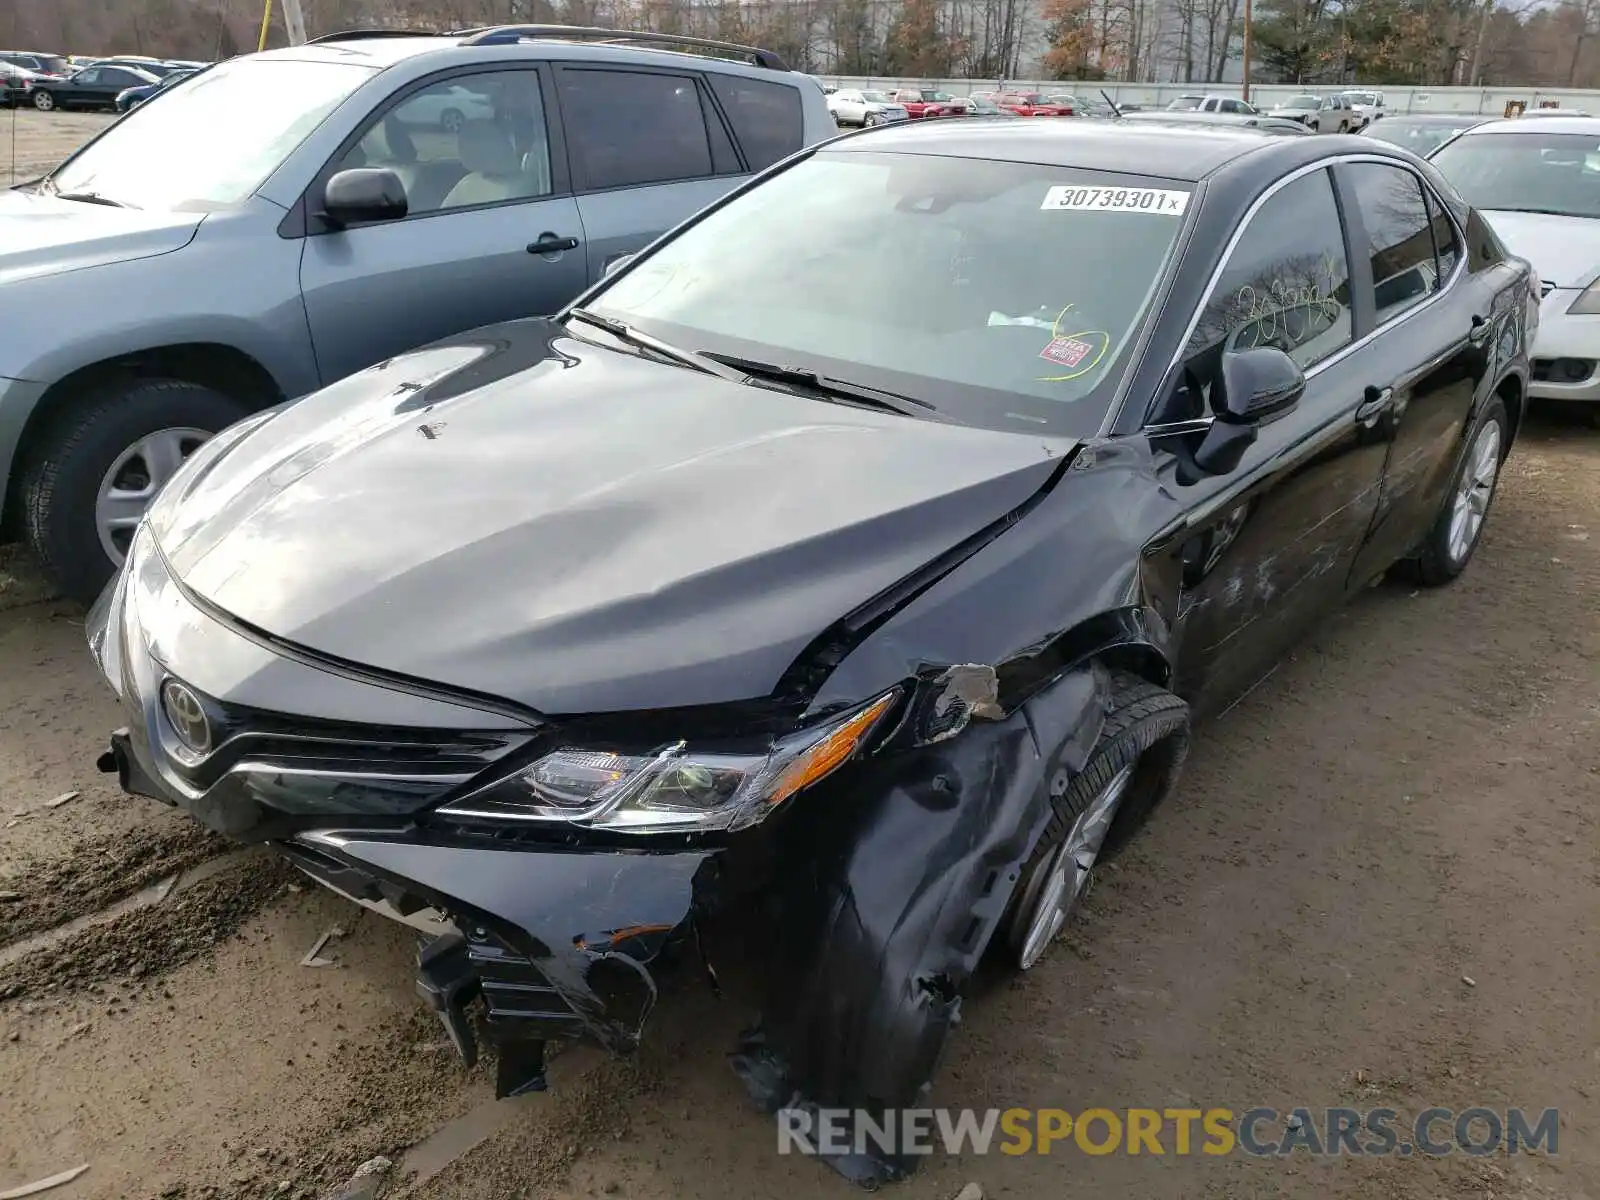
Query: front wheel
point(100, 465)
point(44, 101)
point(1457, 529)
point(1133, 766)
point(869, 120)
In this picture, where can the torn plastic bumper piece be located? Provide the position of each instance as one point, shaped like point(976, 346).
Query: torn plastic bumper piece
point(883, 941)
point(555, 943)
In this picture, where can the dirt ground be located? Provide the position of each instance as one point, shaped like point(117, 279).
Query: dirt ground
point(1404, 806)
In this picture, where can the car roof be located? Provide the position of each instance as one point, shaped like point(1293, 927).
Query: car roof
point(1183, 151)
point(1589, 126)
point(381, 49)
point(1439, 118)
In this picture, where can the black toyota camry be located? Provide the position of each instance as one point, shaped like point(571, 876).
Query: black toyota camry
point(856, 558)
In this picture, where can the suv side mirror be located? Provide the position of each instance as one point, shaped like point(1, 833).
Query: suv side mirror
point(364, 194)
point(615, 262)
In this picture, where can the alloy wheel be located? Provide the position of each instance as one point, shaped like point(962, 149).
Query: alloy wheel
point(44, 101)
point(1474, 491)
point(133, 480)
point(1066, 873)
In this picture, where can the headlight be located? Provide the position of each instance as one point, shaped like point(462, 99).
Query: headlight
point(1588, 302)
point(674, 789)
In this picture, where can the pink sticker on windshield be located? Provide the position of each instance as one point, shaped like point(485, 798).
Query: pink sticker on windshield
point(1065, 351)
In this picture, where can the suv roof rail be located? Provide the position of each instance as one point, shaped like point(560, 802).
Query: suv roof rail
point(356, 35)
point(505, 34)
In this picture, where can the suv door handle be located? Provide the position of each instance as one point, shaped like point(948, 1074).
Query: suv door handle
point(1377, 402)
point(1481, 329)
point(549, 243)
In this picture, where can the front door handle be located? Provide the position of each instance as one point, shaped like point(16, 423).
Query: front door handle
point(1481, 328)
point(1377, 402)
point(549, 243)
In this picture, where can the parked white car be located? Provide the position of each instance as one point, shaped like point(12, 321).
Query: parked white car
point(852, 106)
point(448, 108)
point(1368, 106)
point(1213, 103)
point(1537, 184)
point(1322, 114)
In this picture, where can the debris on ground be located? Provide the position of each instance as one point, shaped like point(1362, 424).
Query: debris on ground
point(314, 957)
point(972, 1191)
point(64, 798)
point(367, 1181)
point(1469, 981)
point(43, 1185)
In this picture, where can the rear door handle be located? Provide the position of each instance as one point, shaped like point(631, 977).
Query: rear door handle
point(549, 243)
point(1377, 402)
point(1481, 328)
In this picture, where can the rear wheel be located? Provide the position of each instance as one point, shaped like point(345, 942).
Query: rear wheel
point(1131, 769)
point(101, 463)
point(1450, 543)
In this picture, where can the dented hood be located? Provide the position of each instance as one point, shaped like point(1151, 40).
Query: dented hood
point(573, 528)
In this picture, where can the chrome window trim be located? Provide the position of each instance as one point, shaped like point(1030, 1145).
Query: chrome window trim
point(1357, 343)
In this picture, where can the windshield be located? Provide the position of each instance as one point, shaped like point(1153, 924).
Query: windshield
point(1185, 103)
point(1361, 97)
point(1030, 98)
point(1034, 281)
point(1302, 102)
point(210, 143)
point(876, 97)
point(1556, 173)
point(1419, 137)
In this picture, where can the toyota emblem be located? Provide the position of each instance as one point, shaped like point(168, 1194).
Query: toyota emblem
point(187, 716)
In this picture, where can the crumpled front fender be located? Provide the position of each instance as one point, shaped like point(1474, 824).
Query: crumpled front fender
point(886, 921)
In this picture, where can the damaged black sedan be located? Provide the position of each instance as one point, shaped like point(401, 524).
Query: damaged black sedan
point(859, 554)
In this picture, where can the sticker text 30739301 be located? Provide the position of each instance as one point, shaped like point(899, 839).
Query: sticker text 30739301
point(1163, 201)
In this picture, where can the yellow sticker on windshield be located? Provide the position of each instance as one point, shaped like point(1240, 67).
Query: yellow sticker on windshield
point(1079, 353)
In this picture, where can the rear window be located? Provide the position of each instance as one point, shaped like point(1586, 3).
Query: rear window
point(766, 117)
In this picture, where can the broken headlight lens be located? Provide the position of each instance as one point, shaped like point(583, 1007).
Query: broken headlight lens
point(675, 788)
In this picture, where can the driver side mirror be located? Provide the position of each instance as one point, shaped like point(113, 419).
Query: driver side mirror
point(364, 194)
point(1251, 388)
point(615, 263)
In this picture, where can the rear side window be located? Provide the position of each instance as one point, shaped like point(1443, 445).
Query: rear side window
point(1446, 242)
point(627, 128)
point(766, 117)
point(1399, 237)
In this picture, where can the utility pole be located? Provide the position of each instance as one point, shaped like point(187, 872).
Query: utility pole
point(294, 22)
point(1245, 94)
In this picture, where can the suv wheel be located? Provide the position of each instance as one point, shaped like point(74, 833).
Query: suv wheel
point(44, 101)
point(99, 466)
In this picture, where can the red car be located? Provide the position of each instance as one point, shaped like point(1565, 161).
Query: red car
point(926, 102)
point(1032, 104)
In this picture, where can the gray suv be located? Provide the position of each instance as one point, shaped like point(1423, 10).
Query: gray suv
point(284, 219)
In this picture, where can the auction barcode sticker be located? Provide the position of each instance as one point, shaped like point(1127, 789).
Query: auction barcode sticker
point(1148, 200)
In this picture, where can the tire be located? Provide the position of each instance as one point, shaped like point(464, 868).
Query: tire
point(62, 481)
point(44, 101)
point(451, 120)
point(1145, 738)
point(869, 120)
point(1441, 557)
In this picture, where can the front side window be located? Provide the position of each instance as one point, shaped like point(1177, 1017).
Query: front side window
point(766, 117)
point(470, 140)
point(213, 142)
point(1286, 283)
point(627, 128)
point(1043, 275)
point(1399, 239)
point(1554, 173)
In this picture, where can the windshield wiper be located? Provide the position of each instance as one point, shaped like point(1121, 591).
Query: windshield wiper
point(90, 198)
point(807, 378)
point(624, 332)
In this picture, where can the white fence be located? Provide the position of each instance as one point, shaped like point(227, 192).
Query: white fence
point(1489, 101)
